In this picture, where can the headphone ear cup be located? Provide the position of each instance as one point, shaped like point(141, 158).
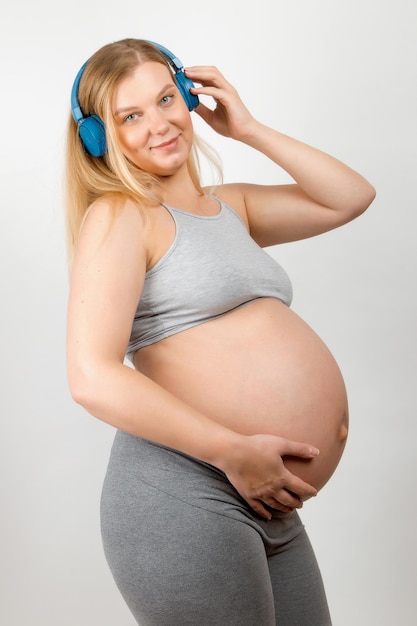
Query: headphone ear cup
point(93, 135)
point(184, 85)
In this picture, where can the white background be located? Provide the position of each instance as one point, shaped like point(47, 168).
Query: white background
point(340, 75)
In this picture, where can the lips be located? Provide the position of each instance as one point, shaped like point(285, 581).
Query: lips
point(166, 144)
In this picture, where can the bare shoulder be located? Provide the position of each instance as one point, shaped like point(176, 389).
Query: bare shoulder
point(113, 227)
point(110, 215)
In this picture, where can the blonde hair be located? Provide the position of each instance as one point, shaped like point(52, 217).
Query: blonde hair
point(89, 178)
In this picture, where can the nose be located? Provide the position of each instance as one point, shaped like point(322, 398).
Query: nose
point(158, 125)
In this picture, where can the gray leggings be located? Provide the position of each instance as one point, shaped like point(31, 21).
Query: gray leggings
point(186, 550)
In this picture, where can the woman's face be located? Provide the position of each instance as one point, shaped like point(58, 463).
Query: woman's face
point(152, 121)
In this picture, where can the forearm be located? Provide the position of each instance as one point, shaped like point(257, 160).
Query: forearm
point(254, 464)
point(128, 400)
point(323, 178)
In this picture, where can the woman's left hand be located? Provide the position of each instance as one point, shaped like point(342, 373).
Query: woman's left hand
point(230, 117)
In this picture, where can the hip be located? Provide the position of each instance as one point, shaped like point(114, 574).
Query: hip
point(145, 475)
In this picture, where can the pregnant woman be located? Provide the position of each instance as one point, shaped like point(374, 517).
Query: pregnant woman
point(231, 412)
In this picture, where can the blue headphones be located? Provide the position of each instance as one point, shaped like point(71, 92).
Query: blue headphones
point(91, 129)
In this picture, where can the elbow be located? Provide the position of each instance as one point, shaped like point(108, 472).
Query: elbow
point(368, 197)
point(79, 387)
point(82, 383)
point(360, 200)
point(91, 382)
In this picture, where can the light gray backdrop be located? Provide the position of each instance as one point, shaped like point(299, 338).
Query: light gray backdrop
point(340, 75)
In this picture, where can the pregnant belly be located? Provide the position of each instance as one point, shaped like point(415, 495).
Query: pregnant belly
point(259, 369)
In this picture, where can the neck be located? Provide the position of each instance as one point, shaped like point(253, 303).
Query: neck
point(179, 190)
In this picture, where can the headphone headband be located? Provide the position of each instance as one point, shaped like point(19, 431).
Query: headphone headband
point(91, 128)
point(77, 114)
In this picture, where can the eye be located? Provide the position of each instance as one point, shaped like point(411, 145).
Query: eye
point(132, 117)
point(166, 99)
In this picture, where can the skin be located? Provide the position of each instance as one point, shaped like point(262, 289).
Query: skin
point(268, 454)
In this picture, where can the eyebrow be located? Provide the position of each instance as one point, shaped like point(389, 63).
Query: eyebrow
point(129, 108)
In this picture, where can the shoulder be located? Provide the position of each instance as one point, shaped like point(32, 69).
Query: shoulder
point(232, 194)
point(112, 217)
point(110, 210)
point(114, 229)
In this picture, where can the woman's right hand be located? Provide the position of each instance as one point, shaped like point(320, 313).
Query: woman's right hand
point(256, 469)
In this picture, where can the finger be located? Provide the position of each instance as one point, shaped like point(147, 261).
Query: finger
point(279, 505)
point(284, 500)
point(205, 74)
point(259, 508)
point(284, 509)
point(299, 488)
point(295, 448)
point(216, 93)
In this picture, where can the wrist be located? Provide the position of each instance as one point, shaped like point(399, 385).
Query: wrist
point(254, 134)
point(226, 449)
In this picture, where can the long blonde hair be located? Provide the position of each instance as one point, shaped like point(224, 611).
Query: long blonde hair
point(89, 178)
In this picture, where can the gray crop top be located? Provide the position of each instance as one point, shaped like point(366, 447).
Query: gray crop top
point(212, 267)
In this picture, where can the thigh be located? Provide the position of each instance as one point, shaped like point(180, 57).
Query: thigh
point(297, 584)
point(178, 564)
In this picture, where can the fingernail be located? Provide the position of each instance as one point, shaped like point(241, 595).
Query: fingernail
point(315, 451)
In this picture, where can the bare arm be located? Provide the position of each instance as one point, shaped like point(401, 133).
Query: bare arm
point(106, 283)
point(326, 193)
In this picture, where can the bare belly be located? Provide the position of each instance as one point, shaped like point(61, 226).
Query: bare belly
point(259, 369)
